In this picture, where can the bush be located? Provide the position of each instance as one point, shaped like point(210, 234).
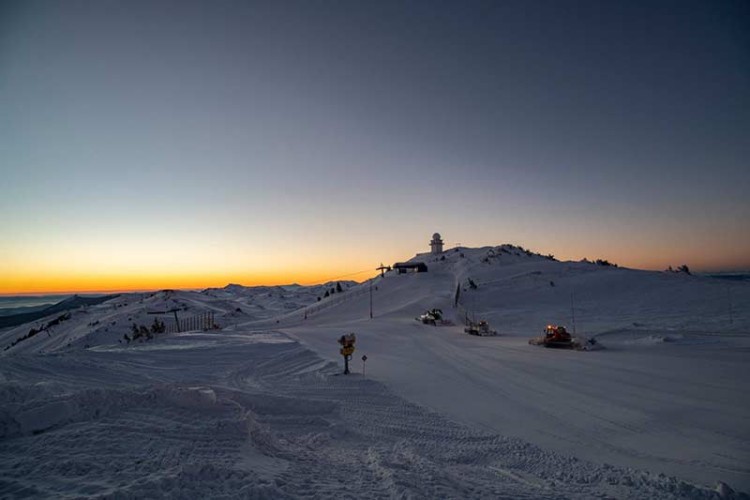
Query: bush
point(605, 263)
point(158, 326)
point(145, 332)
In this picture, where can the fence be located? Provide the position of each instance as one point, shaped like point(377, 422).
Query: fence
point(202, 321)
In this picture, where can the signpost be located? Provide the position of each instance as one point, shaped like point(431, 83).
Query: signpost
point(347, 349)
point(364, 359)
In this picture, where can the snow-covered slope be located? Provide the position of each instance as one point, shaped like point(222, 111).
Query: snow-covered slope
point(255, 415)
point(110, 322)
point(667, 394)
point(257, 408)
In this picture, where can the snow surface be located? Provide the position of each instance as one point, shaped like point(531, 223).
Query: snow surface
point(260, 409)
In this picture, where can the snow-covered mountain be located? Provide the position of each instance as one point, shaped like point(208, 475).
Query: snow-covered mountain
point(77, 327)
point(256, 407)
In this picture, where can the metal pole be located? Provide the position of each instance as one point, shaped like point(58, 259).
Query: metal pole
point(573, 313)
point(729, 298)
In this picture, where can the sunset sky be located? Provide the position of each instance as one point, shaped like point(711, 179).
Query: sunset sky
point(154, 144)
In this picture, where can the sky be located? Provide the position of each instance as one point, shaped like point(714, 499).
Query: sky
point(185, 144)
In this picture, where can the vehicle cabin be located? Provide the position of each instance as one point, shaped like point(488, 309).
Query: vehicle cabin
point(407, 267)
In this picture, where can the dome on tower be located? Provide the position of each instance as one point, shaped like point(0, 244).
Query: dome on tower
point(436, 245)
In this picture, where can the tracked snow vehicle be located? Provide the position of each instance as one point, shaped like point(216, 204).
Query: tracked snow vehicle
point(556, 336)
point(481, 329)
point(433, 317)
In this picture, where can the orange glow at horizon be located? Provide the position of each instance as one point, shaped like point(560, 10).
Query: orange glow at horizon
point(51, 283)
point(26, 284)
point(104, 265)
point(118, 267)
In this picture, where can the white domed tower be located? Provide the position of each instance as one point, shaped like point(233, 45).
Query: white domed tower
point(436, 244)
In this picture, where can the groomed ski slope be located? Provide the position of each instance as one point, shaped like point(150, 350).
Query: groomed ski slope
point(668, 394)
point(256, 415)
point(260, 410)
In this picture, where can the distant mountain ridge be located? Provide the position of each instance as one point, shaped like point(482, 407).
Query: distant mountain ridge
point(73, 302)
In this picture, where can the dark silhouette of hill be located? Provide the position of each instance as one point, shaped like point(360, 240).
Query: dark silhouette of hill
point(68, 304)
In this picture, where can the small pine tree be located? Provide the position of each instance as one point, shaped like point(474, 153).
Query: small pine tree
point(338, 287)
point(684, 269)
point(327, 294)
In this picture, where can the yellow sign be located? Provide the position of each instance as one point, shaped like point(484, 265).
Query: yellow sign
point(347, 351)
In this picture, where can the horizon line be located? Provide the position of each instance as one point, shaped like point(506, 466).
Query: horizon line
point(191, 289)
point(150, 290)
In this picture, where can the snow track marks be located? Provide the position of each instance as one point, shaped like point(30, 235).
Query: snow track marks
point(262, 420)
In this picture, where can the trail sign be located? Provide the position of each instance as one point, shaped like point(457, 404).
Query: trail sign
point(347, 349)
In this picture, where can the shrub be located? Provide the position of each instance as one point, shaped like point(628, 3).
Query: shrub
point(158, 326)
point(605, 263)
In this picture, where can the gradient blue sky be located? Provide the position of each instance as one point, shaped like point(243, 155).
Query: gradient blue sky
point(149, 144)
